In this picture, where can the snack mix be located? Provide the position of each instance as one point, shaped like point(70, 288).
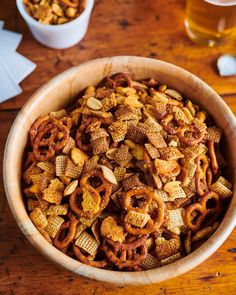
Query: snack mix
point(54, 12)
point(128, 178)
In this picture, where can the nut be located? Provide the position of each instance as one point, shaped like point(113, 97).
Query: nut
point(108, 174)
point(94, 103)
point(71, 12)
point(70, 188)
point(57, 9)
point(62, 20)
point(53, 12)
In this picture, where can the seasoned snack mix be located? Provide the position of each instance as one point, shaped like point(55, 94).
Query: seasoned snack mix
point(128, 178)
point(54, 12)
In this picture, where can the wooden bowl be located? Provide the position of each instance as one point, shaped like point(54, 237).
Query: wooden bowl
point(59, 92)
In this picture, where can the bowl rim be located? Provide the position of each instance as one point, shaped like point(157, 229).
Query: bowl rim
point(116, 277)
point(29, 19)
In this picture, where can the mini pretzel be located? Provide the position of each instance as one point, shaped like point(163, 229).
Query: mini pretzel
point(30, 159)
point(148, 162)
point(71, 226)
point(89, 259)
point(214, 162)
point(81, 135)
point(126, 258)
point(167, 245)
point(53, 137)
point(105, 184)
point(146, 193)
point(130, 245)
point(201, 174)
point(197, 135)
point(118, 78)
point(104, 188)
point(207, 197)
point(75, 199)
point(41, 121)
point(209, 176)
point(66, 121)
point(188, 242)
point(169, 124)
point(156, 219)
point(201, 207)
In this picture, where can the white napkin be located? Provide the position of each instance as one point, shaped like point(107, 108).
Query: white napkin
point(9, 40)
point(13, 67)
point(8, 88)
point(19, 66)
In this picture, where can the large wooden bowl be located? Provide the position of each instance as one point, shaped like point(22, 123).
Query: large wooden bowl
point(58, 93)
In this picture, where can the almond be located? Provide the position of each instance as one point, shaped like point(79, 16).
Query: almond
point(108, 174)
point(70, 188)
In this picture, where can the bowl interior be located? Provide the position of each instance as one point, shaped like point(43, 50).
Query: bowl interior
point(58, 93)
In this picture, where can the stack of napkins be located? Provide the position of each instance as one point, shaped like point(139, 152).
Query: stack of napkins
point(13, 66)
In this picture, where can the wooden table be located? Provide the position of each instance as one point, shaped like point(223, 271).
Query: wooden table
point(118, 27)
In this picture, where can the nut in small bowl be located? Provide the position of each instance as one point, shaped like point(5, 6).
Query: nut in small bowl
point(56, 23)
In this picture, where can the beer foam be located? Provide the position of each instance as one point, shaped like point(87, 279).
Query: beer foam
point(221, 2)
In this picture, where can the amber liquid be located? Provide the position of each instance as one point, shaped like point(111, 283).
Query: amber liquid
point(210, 22)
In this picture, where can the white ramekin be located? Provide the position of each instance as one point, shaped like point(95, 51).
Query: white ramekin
point(58, 36)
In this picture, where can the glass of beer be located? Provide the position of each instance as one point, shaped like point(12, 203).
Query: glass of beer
point(210, 22)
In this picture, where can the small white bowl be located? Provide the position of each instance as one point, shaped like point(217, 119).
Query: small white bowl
point(58, 36)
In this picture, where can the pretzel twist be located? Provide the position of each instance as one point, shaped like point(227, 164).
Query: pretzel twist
point(69, 225)
point(148, 162)
point(30, 159)
point(89, 259)
point(178, 127)
point(209, 176)
point(145, 193)
point(66, 121)
point(104, 190)
point(196, 135)
point(202, 210)
point(50, 138)
point(81, 136)
point(127, 258)
point(212, 154)
point(201, 174)
point(40, 122)
point(156, 218)
point(127, 246)
point(168, 123)
point(75, 199)
point(118, 78)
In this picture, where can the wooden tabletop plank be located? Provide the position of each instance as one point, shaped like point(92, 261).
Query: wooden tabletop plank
point(118, 27)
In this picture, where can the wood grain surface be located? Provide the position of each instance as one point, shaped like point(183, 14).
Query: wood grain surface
point(118, 27)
